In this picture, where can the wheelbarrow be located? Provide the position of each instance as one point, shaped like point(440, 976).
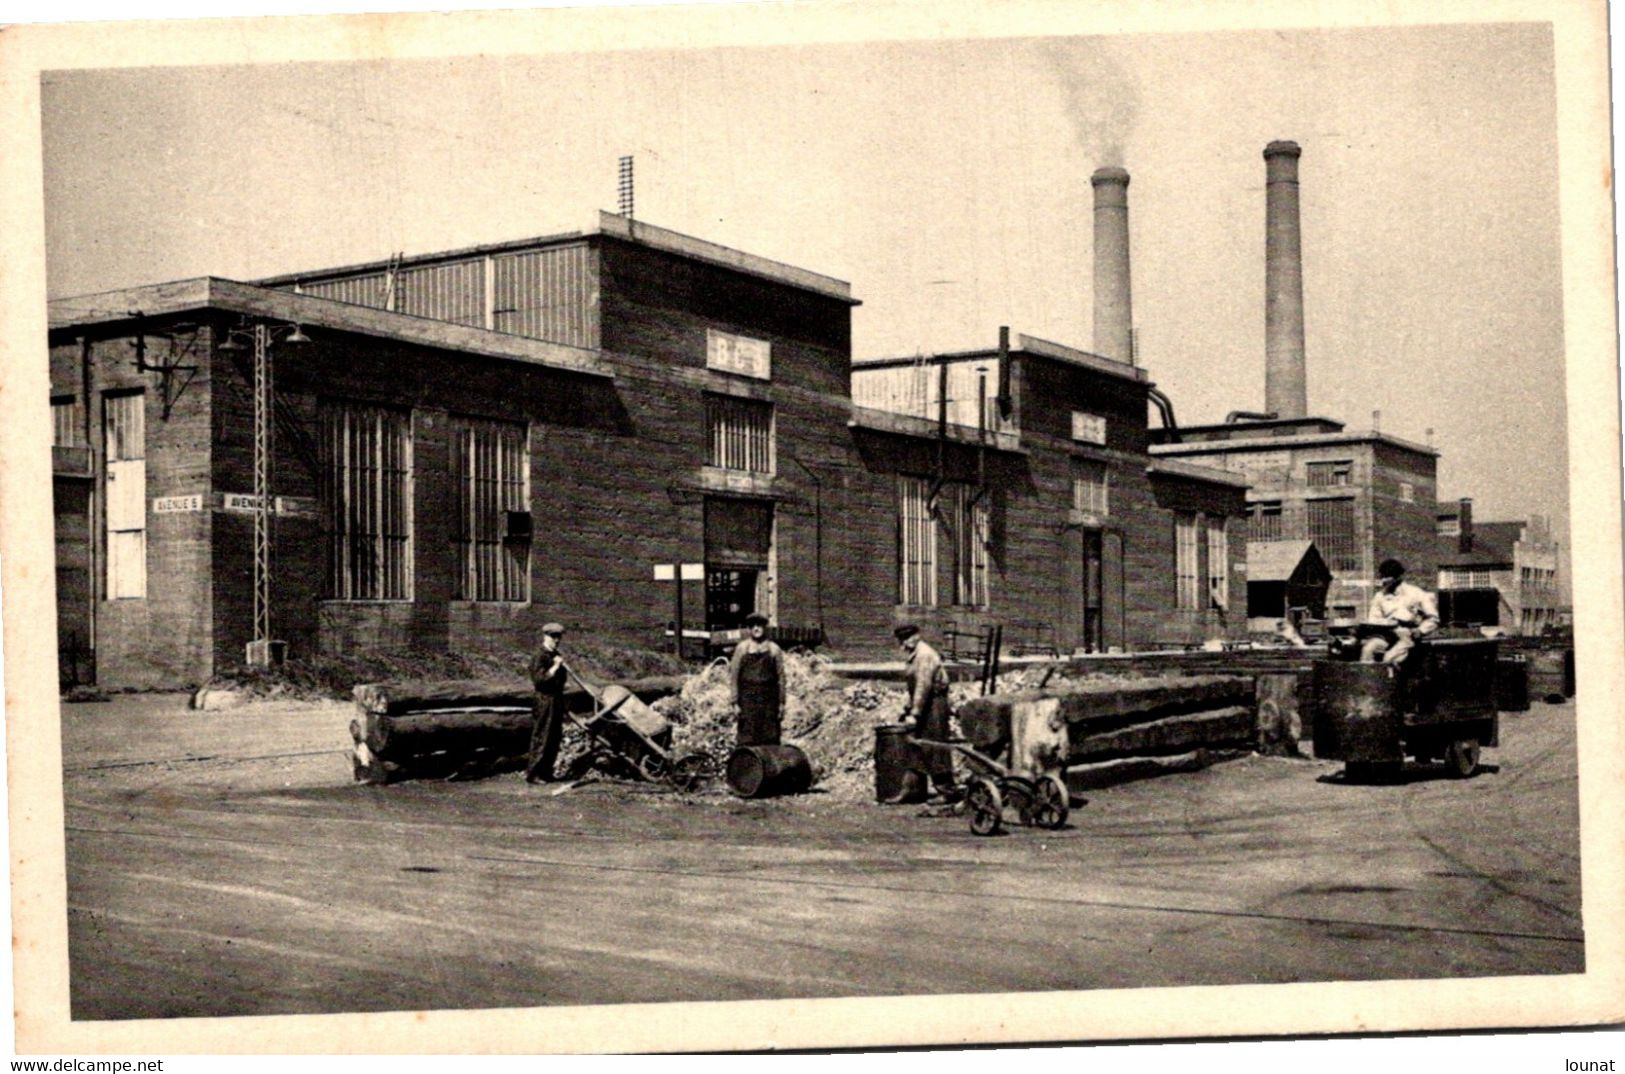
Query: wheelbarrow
point(634, 737)
point(1040, 801)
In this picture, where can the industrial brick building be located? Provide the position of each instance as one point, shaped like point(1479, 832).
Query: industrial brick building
point(1359, 496)
point(1498, 574)
point(462, 446)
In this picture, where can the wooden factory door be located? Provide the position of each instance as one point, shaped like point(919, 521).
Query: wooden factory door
point(738, 558)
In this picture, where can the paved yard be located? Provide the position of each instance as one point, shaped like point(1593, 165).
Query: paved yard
point(224, 863)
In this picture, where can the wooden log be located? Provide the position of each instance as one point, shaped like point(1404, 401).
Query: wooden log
point(1125, 770)
point(1093, 706)
point(426, 695)
point(425, 732)
point(1231, 726)
point(1280, 721)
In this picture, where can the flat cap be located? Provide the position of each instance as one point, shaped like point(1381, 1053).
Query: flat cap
point(553, 628)
point(906, 631)
point(757, 617)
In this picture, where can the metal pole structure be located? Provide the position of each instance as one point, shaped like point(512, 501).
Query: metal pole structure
point(261, 650)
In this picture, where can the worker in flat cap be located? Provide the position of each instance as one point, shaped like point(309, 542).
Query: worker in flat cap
point(756, 673)
point(1407, 610)
point(928, 704)
point(547, 677)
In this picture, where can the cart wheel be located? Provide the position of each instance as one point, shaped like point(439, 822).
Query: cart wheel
point(985, 806)
point(1462, 757)
point(653, 767)
point(691, 770)
point(1050, 798)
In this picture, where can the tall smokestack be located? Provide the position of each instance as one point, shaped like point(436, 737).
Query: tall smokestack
point(1114, 308)
point(1285, 392)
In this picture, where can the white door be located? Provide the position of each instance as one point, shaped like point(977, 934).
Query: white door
point(124, 436)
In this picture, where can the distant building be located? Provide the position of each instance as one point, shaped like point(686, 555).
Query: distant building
point(1498, 573)
point(1361, 497)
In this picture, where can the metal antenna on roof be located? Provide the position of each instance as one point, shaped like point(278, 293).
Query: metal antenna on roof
point(624, 187)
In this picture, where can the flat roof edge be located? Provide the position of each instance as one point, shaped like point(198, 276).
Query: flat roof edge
point(637, 231)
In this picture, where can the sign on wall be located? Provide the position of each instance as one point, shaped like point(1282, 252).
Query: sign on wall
point(174, 505)
point(668, 572)
point(729, 353)
point(1088, 428)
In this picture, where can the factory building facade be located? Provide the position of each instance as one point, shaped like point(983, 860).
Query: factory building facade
point(1498, 574)
point(462, 446)
point(1360, 497)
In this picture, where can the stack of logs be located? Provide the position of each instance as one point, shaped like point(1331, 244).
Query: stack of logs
point(456, 729)
point(1110, 731)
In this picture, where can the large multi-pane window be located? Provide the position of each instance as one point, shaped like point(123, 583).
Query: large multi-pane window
point(971, 526)
point(1331, 527)
point(1218, 563)
point(916, 542)
point(1330, 474)
point(1264, 521)
point(1090, 487)
point(963, 512)
point(740, 433)
point(366, 501)
point(490, 533)
point(1186, 554)
point(67, 422)
point(124, 439)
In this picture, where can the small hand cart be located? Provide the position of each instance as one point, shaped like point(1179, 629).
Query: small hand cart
point(1040, 801)
point(623, 733)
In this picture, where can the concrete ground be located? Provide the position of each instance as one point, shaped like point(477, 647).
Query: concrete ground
point(224, 863)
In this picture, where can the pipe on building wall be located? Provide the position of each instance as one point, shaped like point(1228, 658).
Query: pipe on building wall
point(1165, 407)
point(1114, 308)
point(1249, 415)
point(1285, 389)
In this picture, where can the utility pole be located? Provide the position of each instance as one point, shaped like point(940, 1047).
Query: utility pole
point(263, 520)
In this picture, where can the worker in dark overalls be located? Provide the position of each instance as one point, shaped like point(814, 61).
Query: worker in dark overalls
point(757, 674)
point(547, 676)
point(928, 706)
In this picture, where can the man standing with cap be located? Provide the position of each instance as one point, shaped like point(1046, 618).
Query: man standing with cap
point(547, 675)
point(1408, 610)
point(928, 703)
point(756, 673)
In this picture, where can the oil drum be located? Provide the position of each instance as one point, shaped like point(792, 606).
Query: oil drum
point(1357, 717)
point(1511, 684)
point(899, 768)
point(766, 771)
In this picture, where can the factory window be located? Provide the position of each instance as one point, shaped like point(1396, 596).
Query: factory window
point(366, 502)
point(1186, 552)
point(1218, 564)
point(1331, 527)
point(916, 543)
point(124, 439)
point(740, 433)
point(1264, 521)
point(1090, 487)
point(1449, 526)
point(1331, 474)
point(490, 464)
point(67, 421)
point(1468, 578)
point(971, 529)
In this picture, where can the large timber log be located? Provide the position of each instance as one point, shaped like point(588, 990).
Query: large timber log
point(439, 729)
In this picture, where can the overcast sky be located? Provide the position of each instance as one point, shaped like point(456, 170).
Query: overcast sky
point(949, 182)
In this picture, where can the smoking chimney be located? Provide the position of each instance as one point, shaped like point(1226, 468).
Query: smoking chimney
point(1284, 387)
point(1114, 309)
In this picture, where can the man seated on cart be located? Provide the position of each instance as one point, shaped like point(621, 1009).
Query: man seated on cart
point(1407, 613)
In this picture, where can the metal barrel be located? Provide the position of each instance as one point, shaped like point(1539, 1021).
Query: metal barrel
point(766, 771)
point(1511, 684)
point(1356, 715)
point(1551, 672)
point(899, 767)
